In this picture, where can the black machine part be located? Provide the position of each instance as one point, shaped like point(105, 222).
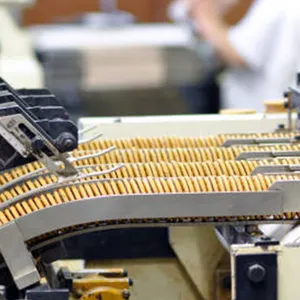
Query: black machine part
point(256, 276)
point(42, 111)
point(50, 294)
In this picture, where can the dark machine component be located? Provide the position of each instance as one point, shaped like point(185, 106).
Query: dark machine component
point(256, 276)
point(138, 243)
point(47, 294)
point(34, 118)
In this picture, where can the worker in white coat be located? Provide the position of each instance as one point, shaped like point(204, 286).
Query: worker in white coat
point(261, 53)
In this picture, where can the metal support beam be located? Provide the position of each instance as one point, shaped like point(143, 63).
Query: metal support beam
point(18, 259)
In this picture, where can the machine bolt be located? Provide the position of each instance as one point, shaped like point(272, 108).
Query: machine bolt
point(126, 295)
point(256, 273)
point(66, 142)
point(37, 144)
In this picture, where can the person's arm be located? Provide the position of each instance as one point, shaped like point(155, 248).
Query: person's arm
point(212, 28)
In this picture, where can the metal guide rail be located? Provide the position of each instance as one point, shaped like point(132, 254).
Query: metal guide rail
point(279, 203)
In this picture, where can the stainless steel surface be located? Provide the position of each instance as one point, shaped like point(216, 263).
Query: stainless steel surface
point(286, 169)
point(254, 155)
point(291, 191)
point(17, 257)
point(232, 142)
point(149, 206)
point(11, 138)
point(183, 125)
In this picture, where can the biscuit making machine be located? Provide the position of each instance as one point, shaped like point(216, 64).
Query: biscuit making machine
point(55, 184)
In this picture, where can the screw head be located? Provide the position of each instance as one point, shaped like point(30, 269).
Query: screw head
point(126, 294)
point(256, 273)
point(286, 105)
point(37, 144)
point(65, 142)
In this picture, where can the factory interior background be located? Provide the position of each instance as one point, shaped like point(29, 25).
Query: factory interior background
point(111, 58)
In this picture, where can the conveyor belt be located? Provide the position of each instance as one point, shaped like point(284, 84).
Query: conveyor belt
point(39, 192)
point(100, 188)
point(155, 155)
point(130, 197)
point(154, 187)
point(178, 142)
point(14, 188)
point(133, 155)
point(178, 154)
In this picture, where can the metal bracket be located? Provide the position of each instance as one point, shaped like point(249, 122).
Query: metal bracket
point(17, 257)
point(10, 131)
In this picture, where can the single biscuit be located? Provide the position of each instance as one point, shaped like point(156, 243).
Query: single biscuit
point(20, 209)
point(208, 184)
point(101, 188)
point(171, 185)
point(184, 183)
point(45, 201)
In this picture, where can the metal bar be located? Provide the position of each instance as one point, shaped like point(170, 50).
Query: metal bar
point(245, 141)
point(271, 169)
point(42, 171)
point(68, 181)
point(90, 139)
point(279, 169)
point(87, 129)
point(150, 206)
point(18, 259)
point(93, 154)
point(254, 155)
point(21, 179)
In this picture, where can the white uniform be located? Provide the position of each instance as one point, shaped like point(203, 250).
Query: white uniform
point(268, 38)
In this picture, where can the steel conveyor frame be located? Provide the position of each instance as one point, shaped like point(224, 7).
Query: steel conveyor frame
point(162, 209)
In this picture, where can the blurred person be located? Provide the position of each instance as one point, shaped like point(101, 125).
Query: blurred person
point(203, 95)
point(260, 53)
